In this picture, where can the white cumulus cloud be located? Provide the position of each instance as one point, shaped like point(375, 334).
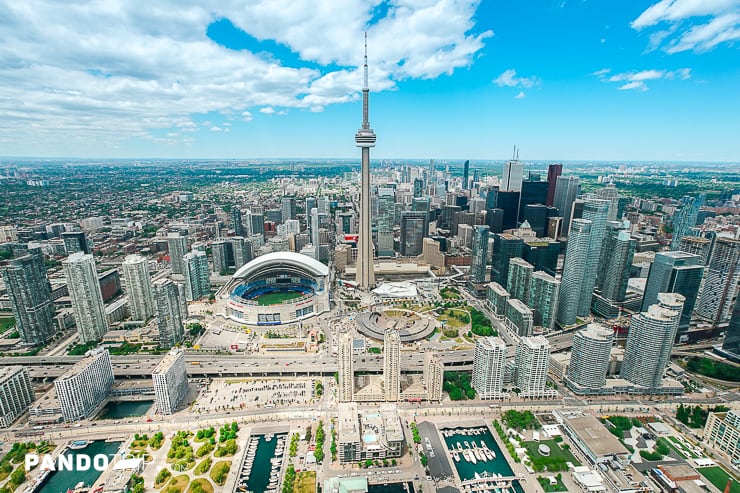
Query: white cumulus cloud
point(697, 25)
point(637, 80)
point(89, 71)
point(509, 79)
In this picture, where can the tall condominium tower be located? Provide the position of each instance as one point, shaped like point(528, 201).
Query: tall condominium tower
point(75, 241)
point(650, 341)
point(698, 245)
point(731, 343)
point(674, 272)
point(488, 367)
point(566, 191)
point(478, 272)
point(544, 291)
point(365, 139)
point(520, 278)
point(596, 211)
point(87, 300)
point(617, 252)
point(288, 208)
point(85, 385)
point(466, 175)
point(385, 220)
point(553, 172)
point(574, 271)
point(30, 297)
point(236, 220)
point(433, 376)
point(16, 393)
point(168, 305)
point(170, 381)
point(346, 368)
point(195, 270)
point(590, 357)
point(611, 195)
point(720, 283)
point(532, 361)
point(177, 244)
point(242, 250)
point(220, 252)
point(392, 365)
point(138, 287)
point(685, 218)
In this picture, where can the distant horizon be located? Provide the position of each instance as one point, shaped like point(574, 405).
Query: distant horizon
point(374, 159)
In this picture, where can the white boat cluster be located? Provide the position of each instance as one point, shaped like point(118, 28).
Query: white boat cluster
point(472, 452)
point(275, 462)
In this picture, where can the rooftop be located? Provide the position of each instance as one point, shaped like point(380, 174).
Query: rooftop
point(168, 360)
point(595, 435)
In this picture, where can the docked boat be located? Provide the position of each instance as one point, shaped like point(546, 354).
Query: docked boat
point(78, 444)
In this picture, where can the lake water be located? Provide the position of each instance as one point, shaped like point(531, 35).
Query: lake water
point(391, 488)
point(129, 409)
point(466, 470)
point(259, 477)
point(61, 481)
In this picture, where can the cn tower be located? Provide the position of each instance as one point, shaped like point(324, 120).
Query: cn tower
point(365, 139)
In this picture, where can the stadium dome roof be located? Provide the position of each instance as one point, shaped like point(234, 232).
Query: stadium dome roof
point(276, 259)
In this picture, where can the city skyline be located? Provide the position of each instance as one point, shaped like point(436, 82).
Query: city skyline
point(232, 83)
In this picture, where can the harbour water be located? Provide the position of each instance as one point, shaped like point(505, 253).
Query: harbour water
point(467, 469)
point(61, 481)
point(259, 474)
point(120, 410)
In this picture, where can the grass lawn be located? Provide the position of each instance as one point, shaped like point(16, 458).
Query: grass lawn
point(178, 483)
point(555, 451)
point(545, 483)
point(219, 472)
point(718, 477)
point(277, 298)
point(200, 485)
point(6, 323)
point(453, 322)
point(305, 482)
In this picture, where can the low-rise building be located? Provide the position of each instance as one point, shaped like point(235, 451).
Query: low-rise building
point(722, 431)
point(363, 435)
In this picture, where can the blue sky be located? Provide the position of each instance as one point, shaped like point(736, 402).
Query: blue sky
point(450, 79)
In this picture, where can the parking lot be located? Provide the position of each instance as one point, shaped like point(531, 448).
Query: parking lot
point(225, 394)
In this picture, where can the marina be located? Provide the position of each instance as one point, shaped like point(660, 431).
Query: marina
point(64, 480)
point(254, 474)
point(479, 461)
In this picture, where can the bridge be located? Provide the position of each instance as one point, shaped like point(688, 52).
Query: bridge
point(487, 482)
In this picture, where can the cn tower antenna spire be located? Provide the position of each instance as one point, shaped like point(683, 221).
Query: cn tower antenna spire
point(366, 86)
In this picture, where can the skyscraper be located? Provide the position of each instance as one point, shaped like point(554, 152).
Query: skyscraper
point(519, 279)
point(170, 381)
point(195, 270)
point(412, 233)
point(242, 250)
point(488, 367)
point(519, 317)
point(30, 297)
point(385, 221)
point(478, 272)
point(566, 191)
point(544, 291)
point(617, 252)
point(171, 311)
point(177, 244)
point(433, 376)
point(83, 387)
point(731, 343)
point(513, 175)
point(589, 359)
point(720, 283)
point(87, 300)
point(16, 393)
point(698, 245)
point(236, 220)
point(674, 272)
point(365, 139)
point(392, 365)
point(553, 172)
point(138, 287)
point(533, 192)
point(685, 218)
point(505, 247)
point(346, 390)
point(574, 271)
point(650, 341)
point(596, 211)
point(532, 361)
point(466, 176)
point(288, 208)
